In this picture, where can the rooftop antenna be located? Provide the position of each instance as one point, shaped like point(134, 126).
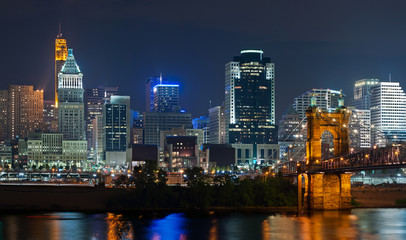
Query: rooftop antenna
point(59, 33)
point(160, 78)
point(390, 77)
point(210, 103)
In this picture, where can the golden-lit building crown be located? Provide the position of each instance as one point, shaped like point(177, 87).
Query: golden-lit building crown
point(61, 50)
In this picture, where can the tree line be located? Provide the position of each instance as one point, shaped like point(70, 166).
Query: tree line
point(204, 190)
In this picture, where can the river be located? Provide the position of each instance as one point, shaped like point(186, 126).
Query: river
point(378, 223)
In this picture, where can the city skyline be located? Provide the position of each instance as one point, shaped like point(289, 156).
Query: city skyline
point(332, 54)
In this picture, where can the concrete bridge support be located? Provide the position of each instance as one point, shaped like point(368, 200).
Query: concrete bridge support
point(327, 191)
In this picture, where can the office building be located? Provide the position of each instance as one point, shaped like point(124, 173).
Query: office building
point(61, 53)
point(388, 111)
point(181, 131)
point(3, 114)
point(217, 125)
point(25, 110)
point(166, 97)
point(71, 109)
point(359, 129)
point(137, 129)
point(362, 93)
point(325, 99)
point(149, 91)
point(292, 136)
point(250, 99)
point(202, 123)
point(155, 122)
point(50, 119)
point(116, 131)
point(54, 150)
point(248, 155)
point(94, 101)
point(181, 152)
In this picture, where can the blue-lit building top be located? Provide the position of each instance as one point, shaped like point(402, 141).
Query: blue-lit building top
point(166, 97)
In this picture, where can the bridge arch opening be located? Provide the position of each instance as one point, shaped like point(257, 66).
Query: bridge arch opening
point(327, 145)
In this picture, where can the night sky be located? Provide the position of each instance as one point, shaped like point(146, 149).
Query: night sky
point(314, 44)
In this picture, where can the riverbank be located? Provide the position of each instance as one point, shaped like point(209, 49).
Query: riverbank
point(378, 196)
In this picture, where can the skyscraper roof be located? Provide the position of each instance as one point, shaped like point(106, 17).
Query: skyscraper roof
point(70, 66)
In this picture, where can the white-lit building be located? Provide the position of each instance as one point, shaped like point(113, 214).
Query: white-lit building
point(362, 93)
point(360, 129)
point(388, 113)
point(325, 99)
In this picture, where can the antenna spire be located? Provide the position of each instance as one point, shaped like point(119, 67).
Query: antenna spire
point(160, 78)
point(390, 77)
point(60, 32)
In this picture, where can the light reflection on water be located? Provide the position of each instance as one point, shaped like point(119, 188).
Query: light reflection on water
point(359, 224)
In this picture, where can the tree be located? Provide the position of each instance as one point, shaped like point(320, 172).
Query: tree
point(195, 176)
point(46, 166)
point(122, 180)
point(148, 175)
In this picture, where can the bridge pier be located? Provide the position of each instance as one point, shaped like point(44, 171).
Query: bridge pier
point(327, 191)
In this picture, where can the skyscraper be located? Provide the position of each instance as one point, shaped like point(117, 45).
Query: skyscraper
point(217, 125)
point(25, 110)
point(362, 93)
point(3, 114)
point(61, 53)
point(388, 113)
point(149, 91)
point(166, 97)
point(94, 101)
point(250, 99)
point(71, 111)
point(325, 98)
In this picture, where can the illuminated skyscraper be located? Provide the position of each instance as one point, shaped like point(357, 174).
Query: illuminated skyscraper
point(25, 110)
point(166, 97)
point(362, 93)
point(61, 53)
point(71, 110)
point(388, 113)
point(149, 91)
point(250, 99)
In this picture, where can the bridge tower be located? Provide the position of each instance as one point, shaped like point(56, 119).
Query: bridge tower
point(326, 191)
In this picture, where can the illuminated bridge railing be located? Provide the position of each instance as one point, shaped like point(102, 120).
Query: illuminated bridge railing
point(290, 167)
point(380, 158)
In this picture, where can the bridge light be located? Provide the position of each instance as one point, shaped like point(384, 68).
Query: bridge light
point(334, 119)
point(396, 152)
point(341, 158)
point(344, 125)
point(374, 146)
point(366, 155)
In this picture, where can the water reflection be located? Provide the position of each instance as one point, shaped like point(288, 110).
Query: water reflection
point(359, 224)
point(118, 227)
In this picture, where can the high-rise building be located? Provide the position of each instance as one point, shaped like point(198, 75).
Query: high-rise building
point(325, 98)
point(61, 53)
point(94, 101)
point(50, 120)
point(388, 111)
point(202, 123)
point(250, 99)
point(291, 135)
point(217, 125)
point(166, 97)
point(25, 110)
point(71, 110)
point(360, 129)
point(149, 91)
point(3, 114)
point(137, 129)
point(116, 132)
point(155, 122)
point(362, 93)
point(115, 99)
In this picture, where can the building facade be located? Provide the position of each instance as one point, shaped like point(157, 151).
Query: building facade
point(217, 125)
point(61, 53)
point(155, 122)
point(250, 99)
point(149, 91)
point(325, 99)
point(362, 93)
point(166, 97)
point(71, 109)
point(54, 150)
point(388, 111)
point(25, 110)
